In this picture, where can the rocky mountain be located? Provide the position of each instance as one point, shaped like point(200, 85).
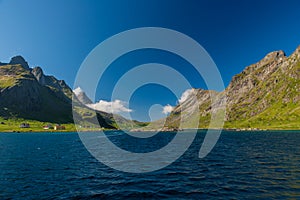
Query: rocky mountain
point(22, 95)
point(264, 95)
point(28, 93)
point(87, 114)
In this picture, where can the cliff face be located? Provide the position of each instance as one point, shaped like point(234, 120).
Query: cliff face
point(264, 95)
point(59, 87)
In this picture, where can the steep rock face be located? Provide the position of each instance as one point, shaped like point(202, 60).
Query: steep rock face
point(265, 94)
point(25, 98)
point(59, 87)
point(39, 75)
point(244, 82)
point(269, 84)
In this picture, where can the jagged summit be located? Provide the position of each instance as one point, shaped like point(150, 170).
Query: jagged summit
point(81, 96)
point(19, 60)
point(270, 58)
point(274, 56)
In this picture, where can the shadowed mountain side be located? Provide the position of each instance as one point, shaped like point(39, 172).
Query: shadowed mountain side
point(28, 93)
point(22, 96)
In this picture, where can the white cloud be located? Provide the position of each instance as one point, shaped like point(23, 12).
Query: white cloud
point(77, 91)
point(185, 95)
point(167, 109)
point(116, 106)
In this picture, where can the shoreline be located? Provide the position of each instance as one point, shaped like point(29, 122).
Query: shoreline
point(200, 129)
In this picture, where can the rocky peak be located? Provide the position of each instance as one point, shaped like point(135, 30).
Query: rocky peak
point(19, 60)
point(249, 78)
point(37, 70)
point(274, 56)
point(81, 96)
point(39, 75)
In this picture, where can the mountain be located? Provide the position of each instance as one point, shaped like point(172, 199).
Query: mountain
point(27, 93)
point(264, 95)
point(87, 114)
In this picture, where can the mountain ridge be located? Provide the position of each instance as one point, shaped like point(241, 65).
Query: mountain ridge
point(27, 93)
point(23, 96)
point(264, 95)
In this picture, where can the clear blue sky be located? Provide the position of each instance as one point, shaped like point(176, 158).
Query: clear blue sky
point(58, 35)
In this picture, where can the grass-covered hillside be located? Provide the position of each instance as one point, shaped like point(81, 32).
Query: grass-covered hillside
point(27, 95)
point(266, 95)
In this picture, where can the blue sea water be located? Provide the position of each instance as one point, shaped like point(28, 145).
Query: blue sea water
point(243, 165)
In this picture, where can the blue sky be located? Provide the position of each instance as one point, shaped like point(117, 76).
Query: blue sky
point(58, 35)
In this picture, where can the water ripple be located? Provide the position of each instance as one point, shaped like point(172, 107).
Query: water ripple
point(242, 165)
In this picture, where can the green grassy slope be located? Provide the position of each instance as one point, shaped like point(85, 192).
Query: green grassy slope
point(266, 95)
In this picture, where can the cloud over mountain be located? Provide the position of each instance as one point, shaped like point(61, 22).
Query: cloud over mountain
point(185, 95)
point(116, 106)
point(167, 109)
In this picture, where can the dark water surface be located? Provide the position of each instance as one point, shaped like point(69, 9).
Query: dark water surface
point(243, 165)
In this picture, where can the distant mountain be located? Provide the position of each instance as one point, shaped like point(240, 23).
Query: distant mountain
point(81, 96)
point(82, 104)
point(264, 95)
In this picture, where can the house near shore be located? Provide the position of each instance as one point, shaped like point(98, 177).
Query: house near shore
point(48, 126)
point(25, 125)
point(59, 127)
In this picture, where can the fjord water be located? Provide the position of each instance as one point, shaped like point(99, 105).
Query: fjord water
point(243, 165)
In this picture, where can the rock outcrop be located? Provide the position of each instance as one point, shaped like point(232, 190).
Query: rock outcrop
point(39, 75)
point(19, 60)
